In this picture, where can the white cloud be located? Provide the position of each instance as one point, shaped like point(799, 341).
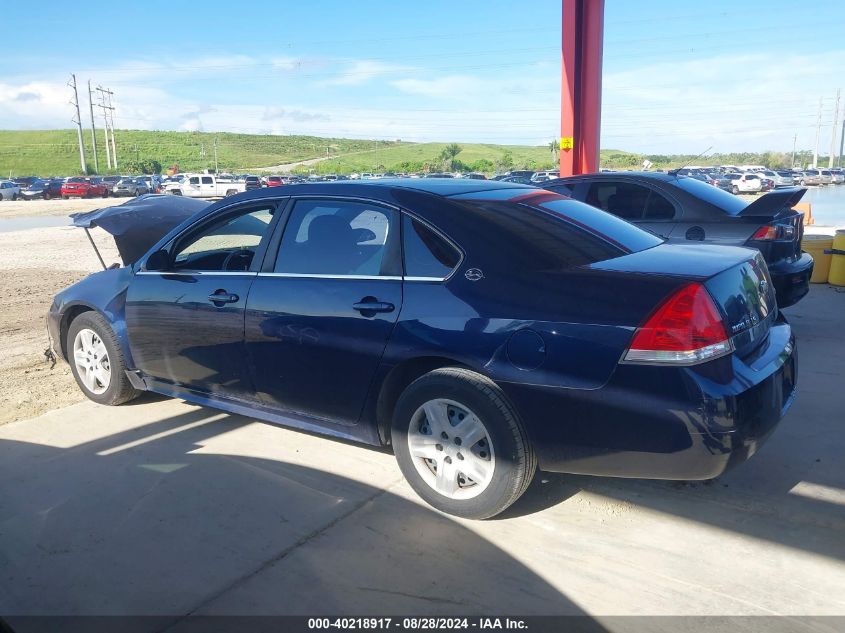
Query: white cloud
point(750, 102)
point(357, 72)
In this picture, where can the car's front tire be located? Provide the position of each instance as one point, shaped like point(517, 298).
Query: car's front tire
point(96, 360)
point(460, 445)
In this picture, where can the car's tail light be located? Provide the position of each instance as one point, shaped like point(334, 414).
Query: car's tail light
point(773, 232)
point(686, 329)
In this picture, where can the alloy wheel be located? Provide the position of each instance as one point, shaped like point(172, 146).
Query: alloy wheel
point(451, 449)
point(92, 361)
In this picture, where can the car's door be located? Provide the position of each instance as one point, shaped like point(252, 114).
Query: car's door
point(207, 187)
point(322, 309)
point(185, 322)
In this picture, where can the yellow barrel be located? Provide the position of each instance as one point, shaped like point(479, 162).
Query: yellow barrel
point(816, 245)
point(837, 262)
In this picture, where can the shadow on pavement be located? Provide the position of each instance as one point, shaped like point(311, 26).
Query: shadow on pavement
point(144, 522)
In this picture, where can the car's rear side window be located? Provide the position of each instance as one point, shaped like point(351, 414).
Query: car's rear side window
point(427, 254)
point(624, 199)
point(593, 235)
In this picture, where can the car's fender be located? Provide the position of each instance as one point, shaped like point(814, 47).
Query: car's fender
point(103, 292)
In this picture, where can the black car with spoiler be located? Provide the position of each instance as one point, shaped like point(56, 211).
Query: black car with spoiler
point(683, 209)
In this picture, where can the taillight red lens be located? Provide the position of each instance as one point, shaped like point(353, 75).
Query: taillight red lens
point(765, 233)
point(686, 329)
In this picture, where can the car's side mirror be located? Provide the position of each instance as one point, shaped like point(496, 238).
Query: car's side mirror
point(158, 261)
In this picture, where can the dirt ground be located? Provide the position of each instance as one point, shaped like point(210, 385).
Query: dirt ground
point(22, 208)
point(34, 265)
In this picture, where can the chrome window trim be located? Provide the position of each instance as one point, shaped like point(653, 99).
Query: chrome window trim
point(320, 276)
point(193, 273)
point(356, 277)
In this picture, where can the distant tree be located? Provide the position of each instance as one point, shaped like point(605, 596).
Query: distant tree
point(554, 147)
point(505, 161)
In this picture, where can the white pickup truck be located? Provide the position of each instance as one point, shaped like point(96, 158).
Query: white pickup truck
point(204, 186)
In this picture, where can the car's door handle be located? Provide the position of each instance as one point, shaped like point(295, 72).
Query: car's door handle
point(373, 306)
point(221, 296)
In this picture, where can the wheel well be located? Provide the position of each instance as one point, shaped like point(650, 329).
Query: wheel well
point(395, 383)
point(68, 317)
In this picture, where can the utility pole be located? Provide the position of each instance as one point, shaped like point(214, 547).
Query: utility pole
point(78, 121)
point(841, 143)
point(794, 141)
point(216, 171)
point(106, 125)
point(818, 132)
point(833, 132)
point(111, 118)
point(93, 129)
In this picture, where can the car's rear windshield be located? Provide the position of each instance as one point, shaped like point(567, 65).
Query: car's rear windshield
point(728, 202)
point(560, 224)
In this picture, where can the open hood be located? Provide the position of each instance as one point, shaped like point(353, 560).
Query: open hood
point(140, 222)
point(769, 205)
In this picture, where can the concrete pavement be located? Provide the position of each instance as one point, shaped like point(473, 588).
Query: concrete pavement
point(163, 508)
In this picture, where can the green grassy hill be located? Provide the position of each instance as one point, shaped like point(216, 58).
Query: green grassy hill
point(55, 152)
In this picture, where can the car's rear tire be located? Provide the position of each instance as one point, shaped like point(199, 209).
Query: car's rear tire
point(96, 360)
point(735, 190)
point(476, 476)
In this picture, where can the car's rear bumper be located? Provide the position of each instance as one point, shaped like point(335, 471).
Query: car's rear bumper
point(664, 422)
point(791, 279)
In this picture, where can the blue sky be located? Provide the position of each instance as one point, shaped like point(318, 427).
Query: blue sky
point(678, 76)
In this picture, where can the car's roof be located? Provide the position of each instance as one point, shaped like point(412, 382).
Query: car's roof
point(439, 186)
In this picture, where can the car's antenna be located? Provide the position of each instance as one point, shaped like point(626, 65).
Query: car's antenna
point(675, 171)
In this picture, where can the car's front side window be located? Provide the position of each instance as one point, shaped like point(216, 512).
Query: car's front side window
point(339, 238)
point(227, 245)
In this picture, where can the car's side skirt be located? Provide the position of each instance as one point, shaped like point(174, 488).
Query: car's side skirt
point(364, 433)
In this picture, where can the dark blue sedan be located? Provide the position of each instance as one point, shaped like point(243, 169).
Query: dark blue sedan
point(483, 329)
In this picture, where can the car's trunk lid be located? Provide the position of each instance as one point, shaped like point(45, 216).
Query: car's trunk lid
point(736, 278)
point(746, 296)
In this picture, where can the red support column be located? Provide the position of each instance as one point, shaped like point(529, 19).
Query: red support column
point(580, 93)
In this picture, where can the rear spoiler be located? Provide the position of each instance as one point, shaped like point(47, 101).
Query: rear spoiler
point(773, 202)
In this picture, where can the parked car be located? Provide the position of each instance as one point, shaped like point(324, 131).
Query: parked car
point(719, 180)
point(275, 181)
point(25, 181)
point(252, 182)
point(838, 176)
point(128, 187)
point(810, 177)
point(543, 176)
point(826, 177)
point(687, 211)
point(83, 187)
point(43, 190)
point(501, 330)
point(206, 186)
point(745, 182)
point(522, 180)
point(110, 182)
point(781, 178)
point(9, 190)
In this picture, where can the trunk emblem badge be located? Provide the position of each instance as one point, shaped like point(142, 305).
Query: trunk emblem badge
point(474, 274)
